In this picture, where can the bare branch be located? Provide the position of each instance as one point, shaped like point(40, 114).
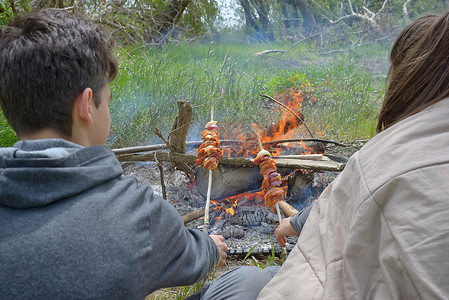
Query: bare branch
point(367, 15)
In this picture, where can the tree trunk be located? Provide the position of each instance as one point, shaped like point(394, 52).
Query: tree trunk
point(39, 4)
point(309, 19)
point(169, 18)
point(264, 21)
point(284, 13)
point(250, 21)
point(263, 31)
point(295, 15)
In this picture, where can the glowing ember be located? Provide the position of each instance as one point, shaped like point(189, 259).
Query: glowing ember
point(228, 205)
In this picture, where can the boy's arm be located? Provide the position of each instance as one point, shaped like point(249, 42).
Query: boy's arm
point(182, 255)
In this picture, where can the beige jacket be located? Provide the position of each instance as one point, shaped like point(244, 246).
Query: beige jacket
point(381, 229)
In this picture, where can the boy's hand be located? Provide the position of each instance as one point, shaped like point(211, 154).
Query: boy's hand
point(284, 229)
point(222, 248)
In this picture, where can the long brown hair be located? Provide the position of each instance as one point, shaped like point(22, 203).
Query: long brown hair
point(419, 72)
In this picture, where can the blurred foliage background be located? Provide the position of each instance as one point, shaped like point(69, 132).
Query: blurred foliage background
point(226, 53)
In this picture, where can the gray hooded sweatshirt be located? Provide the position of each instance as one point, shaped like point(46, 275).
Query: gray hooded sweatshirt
point(72, 227)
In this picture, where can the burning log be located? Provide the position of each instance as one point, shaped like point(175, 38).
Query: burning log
point(300, 118)
point(228, 181)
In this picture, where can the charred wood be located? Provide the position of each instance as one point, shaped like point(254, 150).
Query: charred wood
point(228, 181)
point(178, 133)
point(193, 215)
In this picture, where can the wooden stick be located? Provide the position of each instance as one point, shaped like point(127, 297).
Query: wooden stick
point(193, 215)
point(120, 151)
point(276, 205)
point(305, 156)
point(206, 209)
point(287, 209)
point(209, 188)
point(316, 165)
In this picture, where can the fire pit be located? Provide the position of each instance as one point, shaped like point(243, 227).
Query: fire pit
point(237, 203)
point(242, 219)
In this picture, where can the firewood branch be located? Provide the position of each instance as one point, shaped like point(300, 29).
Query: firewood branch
point(241, 162)
point(136, 149)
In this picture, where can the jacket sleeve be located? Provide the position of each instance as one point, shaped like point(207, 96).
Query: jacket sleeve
point(184, 255)
point(300, 219)
point(165, 252)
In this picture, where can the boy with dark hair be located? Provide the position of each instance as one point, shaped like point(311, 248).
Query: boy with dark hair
point(71, 225)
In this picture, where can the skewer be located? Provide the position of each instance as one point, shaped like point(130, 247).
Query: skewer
point(284, 250)
point(209, 189)
point(206, 209)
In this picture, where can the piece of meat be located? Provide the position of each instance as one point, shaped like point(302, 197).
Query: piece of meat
point(272, 196)
point(209, 152)
point(271, 179)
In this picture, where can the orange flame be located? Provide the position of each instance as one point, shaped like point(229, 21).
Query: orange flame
point(292, 98)
point(307, 150)
point(227, 204)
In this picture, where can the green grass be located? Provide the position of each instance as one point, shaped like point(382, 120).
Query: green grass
point(231, 77)
point(348, 89)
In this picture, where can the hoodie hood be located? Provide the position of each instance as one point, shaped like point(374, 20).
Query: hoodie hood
point(39, 172)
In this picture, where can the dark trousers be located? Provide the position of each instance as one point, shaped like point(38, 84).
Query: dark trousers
point(236, 284)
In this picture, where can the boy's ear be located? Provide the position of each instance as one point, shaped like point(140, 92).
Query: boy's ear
point(83, 105)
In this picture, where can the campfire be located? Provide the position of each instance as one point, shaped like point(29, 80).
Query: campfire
point(234, 185)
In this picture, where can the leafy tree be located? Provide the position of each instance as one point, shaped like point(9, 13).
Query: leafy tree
point(133, 21)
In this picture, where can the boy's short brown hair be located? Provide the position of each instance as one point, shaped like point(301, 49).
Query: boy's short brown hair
point(47, 58)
